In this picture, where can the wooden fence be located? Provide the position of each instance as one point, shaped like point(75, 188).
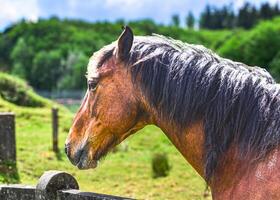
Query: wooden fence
point(53, 185)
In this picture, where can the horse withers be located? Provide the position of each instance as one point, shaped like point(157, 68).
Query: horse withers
point(223, 116)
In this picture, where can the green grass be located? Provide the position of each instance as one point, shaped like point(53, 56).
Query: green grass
point(127, 172)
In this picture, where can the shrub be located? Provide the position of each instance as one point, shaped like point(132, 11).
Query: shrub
point(233, 47)
point(263, 43)
point(18, 92)
point(160, 165)
point(256, 47)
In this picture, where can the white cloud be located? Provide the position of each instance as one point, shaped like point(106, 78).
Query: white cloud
point(12, 11)
point(92, 10)
point(274, 1)
point(239, 3)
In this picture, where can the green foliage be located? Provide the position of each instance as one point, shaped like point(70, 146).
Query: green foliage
point(16, 91)
point(47, 69)
point(75, 70)
point(53, 54)
point(232, 47)
point(275, 66)
point(22, 55)
point(8, 172)
point(160, 165)
point(263, 43)
point(256, 47)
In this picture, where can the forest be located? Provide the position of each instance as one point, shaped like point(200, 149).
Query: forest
point(52, 54)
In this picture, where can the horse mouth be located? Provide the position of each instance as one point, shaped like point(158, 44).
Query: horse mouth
point(87, 158)
point(85, 162)
point(88, 162)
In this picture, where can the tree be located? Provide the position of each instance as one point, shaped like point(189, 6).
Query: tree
point(75, 70)
point(206, 18)
point(190, 20)
point(47, 70)
point(247, 16)
point(217, 18)
point(266, 12)
point(176, 20)
point(21, 57)
point(227, 17)
point(276, 10)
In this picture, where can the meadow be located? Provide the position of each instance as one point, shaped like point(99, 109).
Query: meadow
point(126, 172)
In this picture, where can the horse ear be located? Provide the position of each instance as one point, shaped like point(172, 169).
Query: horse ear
point(124, 43)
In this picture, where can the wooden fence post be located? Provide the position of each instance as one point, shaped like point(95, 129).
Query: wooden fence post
point(7, 137)
point(55, 129)
point(52, 181)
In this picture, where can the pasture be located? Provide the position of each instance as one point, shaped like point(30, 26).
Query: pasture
point(27, 50)
point(124, 173)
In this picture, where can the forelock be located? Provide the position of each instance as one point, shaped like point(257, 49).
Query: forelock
point(98, 59)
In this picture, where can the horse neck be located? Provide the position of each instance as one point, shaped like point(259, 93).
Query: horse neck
point(189, 142)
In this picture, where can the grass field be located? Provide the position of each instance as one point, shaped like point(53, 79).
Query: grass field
point(126, 172)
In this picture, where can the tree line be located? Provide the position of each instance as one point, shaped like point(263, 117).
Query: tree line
point(225, 17)
point(52, 54)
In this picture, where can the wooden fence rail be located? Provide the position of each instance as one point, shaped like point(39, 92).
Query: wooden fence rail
point(53, 185)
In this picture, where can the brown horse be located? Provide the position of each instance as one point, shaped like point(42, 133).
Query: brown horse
point(223, 116)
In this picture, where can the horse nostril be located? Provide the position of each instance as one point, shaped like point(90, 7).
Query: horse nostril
point(66, 150)
point(77, 156)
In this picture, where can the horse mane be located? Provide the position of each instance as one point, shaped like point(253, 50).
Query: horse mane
point(238, 104)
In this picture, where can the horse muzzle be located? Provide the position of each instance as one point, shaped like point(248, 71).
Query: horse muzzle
point(80, 157)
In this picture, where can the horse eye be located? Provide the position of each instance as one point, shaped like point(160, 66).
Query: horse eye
point(92, 85)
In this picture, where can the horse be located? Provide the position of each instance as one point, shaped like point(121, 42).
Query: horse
point(223, 116)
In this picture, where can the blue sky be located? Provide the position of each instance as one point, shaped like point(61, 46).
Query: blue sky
point(96, 10)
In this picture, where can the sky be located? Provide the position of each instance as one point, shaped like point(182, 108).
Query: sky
point(160, 11)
